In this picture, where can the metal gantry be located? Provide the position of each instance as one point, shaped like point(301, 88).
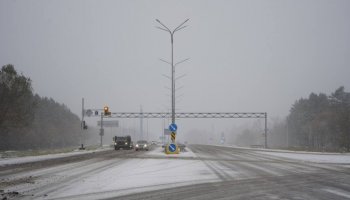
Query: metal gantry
point(188, 115)
point(194, 115)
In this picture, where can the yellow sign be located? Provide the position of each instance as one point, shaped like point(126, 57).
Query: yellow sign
point(173, 136)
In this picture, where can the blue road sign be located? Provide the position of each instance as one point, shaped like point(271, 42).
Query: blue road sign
point(172, 147)
point(172, 127)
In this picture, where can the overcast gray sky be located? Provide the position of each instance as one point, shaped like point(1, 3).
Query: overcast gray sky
point(245, 56)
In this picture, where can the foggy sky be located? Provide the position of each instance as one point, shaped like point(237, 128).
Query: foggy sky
point(245, 56)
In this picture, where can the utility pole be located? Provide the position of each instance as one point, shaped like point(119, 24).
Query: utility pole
point(165, 28)
point(101, 129)
point(82, 121)
point(141, 123)
point(266, 131)
point(287, 132)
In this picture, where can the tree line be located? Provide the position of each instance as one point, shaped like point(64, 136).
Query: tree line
point(320, 122)
point(28, 121)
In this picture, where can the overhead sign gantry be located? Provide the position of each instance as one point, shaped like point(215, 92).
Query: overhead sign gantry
point(172, 127)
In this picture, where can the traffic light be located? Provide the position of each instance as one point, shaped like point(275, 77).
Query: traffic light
point(106, 111)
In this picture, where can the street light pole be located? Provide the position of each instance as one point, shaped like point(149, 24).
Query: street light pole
point(165, 28)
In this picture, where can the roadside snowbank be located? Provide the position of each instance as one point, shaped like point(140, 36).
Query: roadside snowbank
point(316, 157)
point(28, 159)
point(312, 157)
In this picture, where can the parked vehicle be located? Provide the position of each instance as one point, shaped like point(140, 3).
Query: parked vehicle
point(142, 145)
point(123, 142)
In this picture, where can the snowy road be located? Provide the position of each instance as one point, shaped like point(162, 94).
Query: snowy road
point(206, 172)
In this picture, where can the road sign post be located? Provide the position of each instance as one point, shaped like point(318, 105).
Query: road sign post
point(173, 129)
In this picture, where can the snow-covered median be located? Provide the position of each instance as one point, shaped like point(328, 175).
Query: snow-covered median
point(159, 152)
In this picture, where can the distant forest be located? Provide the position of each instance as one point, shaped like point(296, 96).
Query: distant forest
point(28, 121)
point(321, 122)
point(317, 123)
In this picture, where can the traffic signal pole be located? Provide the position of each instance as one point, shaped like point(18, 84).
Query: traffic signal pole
point(101, 129)
point(82, 124)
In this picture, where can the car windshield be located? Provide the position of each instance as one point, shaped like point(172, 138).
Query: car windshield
point(175, 99)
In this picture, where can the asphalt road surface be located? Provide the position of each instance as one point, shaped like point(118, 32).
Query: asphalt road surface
point(239, 174)
point(246, 174)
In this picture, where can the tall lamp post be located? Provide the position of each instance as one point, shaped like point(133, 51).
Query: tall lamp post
point(165, 28)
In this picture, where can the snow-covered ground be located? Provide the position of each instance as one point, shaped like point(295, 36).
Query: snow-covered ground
point(27, 159)
point(316, 157)
point(159, 152)
point(312, 157)
point(149, 171)
point(137, 175)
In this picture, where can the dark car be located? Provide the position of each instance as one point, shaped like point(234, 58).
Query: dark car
point(142, 145)
point(123, 142)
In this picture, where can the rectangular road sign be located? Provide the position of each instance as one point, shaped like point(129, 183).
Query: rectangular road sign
point(167, 132)
point(109, 123)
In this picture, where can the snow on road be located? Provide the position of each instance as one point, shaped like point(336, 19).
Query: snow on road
point(313, 157)
point(316, 157)
point(137, 175)
point(146, 172)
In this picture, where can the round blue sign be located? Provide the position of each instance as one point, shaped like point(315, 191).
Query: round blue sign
point(172, 127)
point(172, 147)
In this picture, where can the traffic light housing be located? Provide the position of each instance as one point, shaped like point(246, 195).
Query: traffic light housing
point(106, 111)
